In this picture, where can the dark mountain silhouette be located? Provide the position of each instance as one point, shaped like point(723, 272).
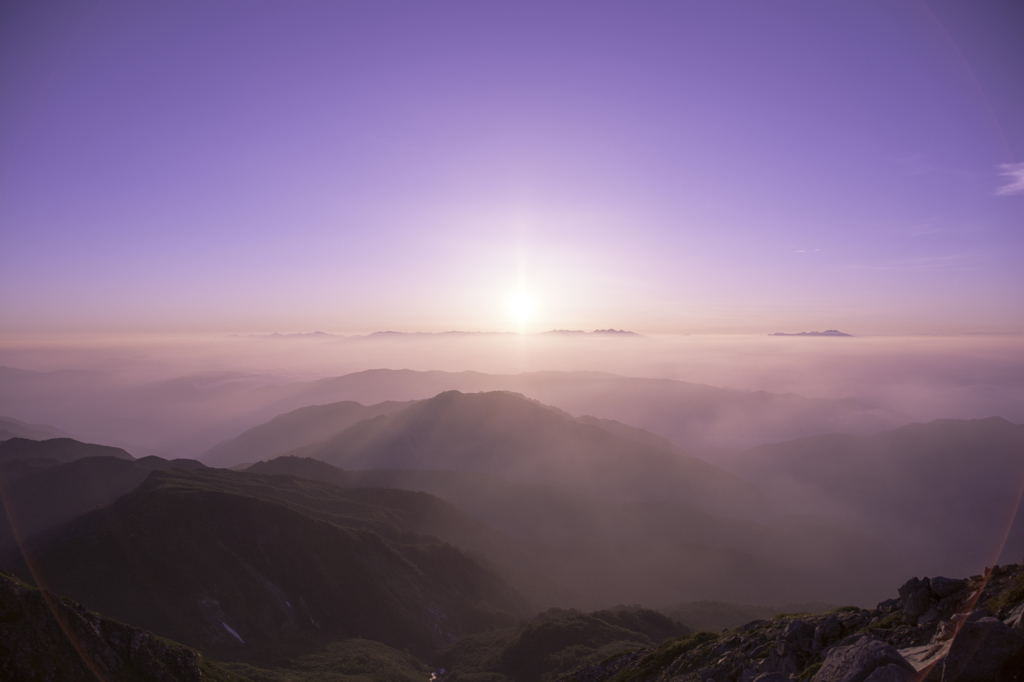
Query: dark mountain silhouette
point(47, 637)
point(59, 449)
point(154, 462)
point(519, 439)
point(40, 494)
point(246, 566)
point(13, 428)
point(297, 428)
point(948, 490)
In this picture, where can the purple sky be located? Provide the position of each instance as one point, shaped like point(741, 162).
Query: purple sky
point(659, 166)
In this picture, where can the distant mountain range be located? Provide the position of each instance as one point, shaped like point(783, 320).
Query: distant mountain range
point(304, 426)
point(692, 416)
point(508, 435)
point(188, 415)
point(827, 332)
point(12, 428)
point(460, 430)
point(379, 334)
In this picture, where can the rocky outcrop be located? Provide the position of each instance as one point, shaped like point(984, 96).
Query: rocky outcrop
point(865, 659)
point(47, 638)
point(937, 630)
point(984, 649)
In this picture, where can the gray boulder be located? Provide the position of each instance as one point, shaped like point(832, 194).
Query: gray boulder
point(984, 650)
point(858, 661)
point(978, 614)
point(828, 630)
point(916, 596)
point(773, 677)
point(946, 587)
point(798, 630)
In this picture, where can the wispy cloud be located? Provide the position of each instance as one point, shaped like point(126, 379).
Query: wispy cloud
point(1014, 171)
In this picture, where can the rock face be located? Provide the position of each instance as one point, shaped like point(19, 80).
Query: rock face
point(892, 673)
point(862, 660)
point(916, 596)
point(45, 637)
point(938, 630)
point(985, 649)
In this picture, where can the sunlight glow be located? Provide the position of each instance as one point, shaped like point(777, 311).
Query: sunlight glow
point(521, 307)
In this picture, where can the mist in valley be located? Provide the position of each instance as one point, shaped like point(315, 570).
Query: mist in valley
point(759, 470)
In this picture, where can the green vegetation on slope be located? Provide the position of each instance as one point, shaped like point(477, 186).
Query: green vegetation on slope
point(718, 616)
point(553, 644)
point(666, 653)
point(349, 660)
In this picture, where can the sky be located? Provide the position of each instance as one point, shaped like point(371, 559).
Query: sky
point(665, 167)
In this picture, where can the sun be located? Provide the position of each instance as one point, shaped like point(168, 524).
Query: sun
point(521, 307)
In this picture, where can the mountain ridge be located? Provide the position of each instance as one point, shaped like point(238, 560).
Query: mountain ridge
point(504, 433)
point(241, 575)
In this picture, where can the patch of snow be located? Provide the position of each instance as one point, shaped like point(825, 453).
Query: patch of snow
point(228, 628)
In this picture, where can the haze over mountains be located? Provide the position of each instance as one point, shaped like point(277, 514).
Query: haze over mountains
point(443, 512)
point(304, 426)
point(12, 428)
point(180, 397)
point(506, 434)
point(444, 521)
point(187, 415)
point(949, 491)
